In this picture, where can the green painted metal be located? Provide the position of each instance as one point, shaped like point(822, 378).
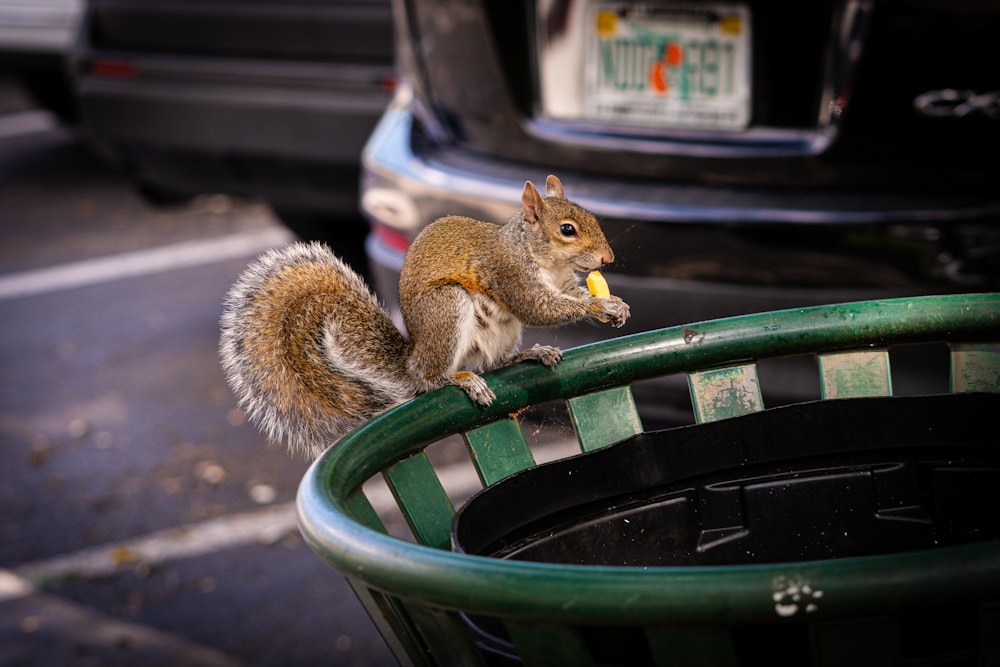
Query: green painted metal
point(401, 635)
point(604, 417)
point(854, 374)
point(975, 367)
point(362, 511)
point(425, 505)
point(720, 393)
point(446, 640)
point(498, 449)
point(541, 645)
point(524, 594)
point(388, 613)
point(692, 647)
point(989, 633)
point(837, 643)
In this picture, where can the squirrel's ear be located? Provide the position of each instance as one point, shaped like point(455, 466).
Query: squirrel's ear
point(553, 187)
point(532, 202)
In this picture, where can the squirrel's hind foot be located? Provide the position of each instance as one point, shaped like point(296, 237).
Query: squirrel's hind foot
point(475, 387)
point(546, 355)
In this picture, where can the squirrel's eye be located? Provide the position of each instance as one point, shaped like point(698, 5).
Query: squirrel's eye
point(567, 229)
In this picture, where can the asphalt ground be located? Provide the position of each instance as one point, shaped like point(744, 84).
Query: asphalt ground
point(142, 520)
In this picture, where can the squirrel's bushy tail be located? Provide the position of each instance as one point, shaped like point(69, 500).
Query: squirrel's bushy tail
point(307, 349)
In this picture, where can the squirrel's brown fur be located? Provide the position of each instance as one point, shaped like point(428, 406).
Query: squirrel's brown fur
point(310, 353)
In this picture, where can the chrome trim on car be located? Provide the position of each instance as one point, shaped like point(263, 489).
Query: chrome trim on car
point(447, 180)
point(752, 143)
point(842, 60)
point(951, 103)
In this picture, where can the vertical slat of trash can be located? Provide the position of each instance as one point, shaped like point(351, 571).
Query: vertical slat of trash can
point(856, 643)
point(393, 623)
point(423, 501)
point(428, 511)
point(855, 373)
point(989, 635)
point(362, 511)
point(446, 636)
point(544, 645)
point(498, 449)
point(701, 647)
point(604, 417)
point(975, 367)
point(387, 612)
point(720, 393)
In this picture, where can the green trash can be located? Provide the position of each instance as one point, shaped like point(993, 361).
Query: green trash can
point(925, 591)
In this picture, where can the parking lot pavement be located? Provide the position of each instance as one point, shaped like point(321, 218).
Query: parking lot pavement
point(143, 521)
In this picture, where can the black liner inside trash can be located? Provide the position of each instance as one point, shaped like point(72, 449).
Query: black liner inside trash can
point(812, 481)
point(820, 480)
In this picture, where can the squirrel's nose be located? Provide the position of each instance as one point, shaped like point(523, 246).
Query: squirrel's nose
point(607, 256)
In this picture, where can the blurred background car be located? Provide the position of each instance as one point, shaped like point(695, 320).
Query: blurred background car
point(270, 99)
point(742, 156)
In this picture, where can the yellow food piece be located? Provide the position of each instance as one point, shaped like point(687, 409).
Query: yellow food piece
point(597, 285)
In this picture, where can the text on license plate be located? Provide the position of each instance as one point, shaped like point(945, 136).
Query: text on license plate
point(683, 66)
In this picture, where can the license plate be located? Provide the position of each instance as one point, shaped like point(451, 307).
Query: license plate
point(675, 66)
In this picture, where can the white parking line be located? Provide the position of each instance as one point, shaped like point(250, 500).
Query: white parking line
point(141, 262)
point(13, 586)
point(263, 526)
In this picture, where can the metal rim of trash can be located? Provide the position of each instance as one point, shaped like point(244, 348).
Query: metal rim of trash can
point(589, 594)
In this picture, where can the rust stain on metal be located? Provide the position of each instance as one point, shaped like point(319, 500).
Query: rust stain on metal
point(692, 336)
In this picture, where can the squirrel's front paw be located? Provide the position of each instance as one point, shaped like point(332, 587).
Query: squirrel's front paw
point(614, 310)
point(474, 387)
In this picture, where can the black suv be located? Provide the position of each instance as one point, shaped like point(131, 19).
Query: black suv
point(742, 156)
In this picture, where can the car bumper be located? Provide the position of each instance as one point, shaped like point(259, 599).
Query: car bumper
point(289, 133)
point(407, 183)
point(315, 112)
point(399, 157)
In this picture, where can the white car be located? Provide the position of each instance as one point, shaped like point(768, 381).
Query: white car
point(38, 26)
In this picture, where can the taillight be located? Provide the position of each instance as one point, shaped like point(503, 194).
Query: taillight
point(112, 68)
point(391, 238)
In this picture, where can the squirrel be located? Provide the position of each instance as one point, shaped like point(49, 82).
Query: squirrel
point(310, 353)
